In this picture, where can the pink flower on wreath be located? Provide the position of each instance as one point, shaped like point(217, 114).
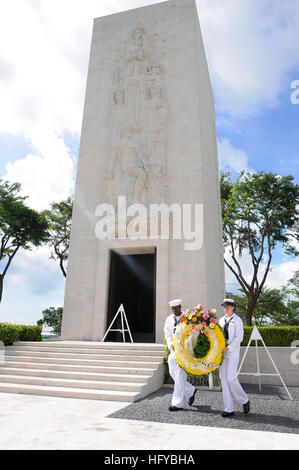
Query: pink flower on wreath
point(212, 320)
point(203, 324)
point(203, 307)
point(205, 316)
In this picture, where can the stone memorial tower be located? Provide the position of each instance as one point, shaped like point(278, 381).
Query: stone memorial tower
point(148, 139)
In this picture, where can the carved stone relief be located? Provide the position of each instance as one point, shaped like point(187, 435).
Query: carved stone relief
point(137, 165)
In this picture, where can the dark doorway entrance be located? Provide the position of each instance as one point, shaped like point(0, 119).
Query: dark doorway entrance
point(132, 282)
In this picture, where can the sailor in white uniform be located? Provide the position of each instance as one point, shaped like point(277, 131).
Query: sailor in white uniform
point(182, 388)
point(231, 387)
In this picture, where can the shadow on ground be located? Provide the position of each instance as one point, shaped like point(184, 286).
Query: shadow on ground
point(271, 410)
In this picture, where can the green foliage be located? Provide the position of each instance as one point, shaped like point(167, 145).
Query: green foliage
point(30, 333)
point(275, 307)
point(292, 286)
point(276, 336)
point(203, 380)
point(273, 335)
point(202, 346)
point(259, 210)
point(20, 226)
point(10, 333)
point(166, 350)
point(52, 317)
point(59, 218)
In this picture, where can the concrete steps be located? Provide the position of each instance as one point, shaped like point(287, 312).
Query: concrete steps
point(77, 369)
point(108, 377)
point(82, 356)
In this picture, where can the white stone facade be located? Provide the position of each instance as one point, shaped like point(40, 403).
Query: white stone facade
point(148, 133)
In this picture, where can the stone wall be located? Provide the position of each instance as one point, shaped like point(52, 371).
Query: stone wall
point(284, 359)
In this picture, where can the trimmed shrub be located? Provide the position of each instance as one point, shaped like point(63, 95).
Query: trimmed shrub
point(30, 333)
point(10, 333)
point(281, 336)
point(273, 335)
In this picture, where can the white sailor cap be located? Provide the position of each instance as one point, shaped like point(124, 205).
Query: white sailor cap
point(228, 302)
point(175, 302)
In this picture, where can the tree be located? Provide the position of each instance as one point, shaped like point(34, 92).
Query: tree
point(59, 218)
point(258, 211)
point(20, 226)
point(291, 291)
point(271, 308)
point(52, 317)
point(292, 287)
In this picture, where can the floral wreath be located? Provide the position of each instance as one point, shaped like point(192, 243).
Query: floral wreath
point(192, 324)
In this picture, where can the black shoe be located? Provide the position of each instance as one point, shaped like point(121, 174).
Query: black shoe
point(246, 407)
point(191, 399)
point(174, 408)
point(225, 414)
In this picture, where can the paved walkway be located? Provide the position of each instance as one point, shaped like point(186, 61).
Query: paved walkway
point(35, 422)
point(271, 410)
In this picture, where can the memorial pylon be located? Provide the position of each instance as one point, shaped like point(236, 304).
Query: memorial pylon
point(148, 139)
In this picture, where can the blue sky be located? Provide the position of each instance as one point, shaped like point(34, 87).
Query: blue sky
point(253, 57)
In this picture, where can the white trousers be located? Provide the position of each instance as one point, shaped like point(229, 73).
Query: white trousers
point(182, 388)
point(231, 386)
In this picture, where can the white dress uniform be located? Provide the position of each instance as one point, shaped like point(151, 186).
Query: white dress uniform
point(182, 388)
point(229, 368)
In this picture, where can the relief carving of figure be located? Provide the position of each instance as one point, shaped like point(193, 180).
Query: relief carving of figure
point(119, 97)
point(128, 153)
point(137, 168)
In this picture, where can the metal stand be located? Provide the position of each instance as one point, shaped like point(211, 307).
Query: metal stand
point(123, 317)
point(211, 383)
point(255, 336)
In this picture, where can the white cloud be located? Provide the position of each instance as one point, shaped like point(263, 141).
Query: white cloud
point(277, 277)
point(34, 269)
point(251, 47)
point(32, 284)
point(231, 158)
point(281, 273)
point(47, 175)
point(44, 52)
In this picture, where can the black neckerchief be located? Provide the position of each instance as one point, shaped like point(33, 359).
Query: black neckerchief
point(225, 329)
point(176, 322)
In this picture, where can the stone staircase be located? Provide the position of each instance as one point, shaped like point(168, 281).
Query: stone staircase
point(121, 372)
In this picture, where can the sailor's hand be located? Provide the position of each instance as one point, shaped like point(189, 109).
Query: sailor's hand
point(225, 350)
point(172, 347)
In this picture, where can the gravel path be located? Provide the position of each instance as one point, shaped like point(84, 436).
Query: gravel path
point(271, 410)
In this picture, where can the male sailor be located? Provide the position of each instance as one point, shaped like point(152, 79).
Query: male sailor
point(182, 388)
point(231, 387)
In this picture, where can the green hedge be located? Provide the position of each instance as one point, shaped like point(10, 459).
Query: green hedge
point(10, 333)
point(273, 335)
